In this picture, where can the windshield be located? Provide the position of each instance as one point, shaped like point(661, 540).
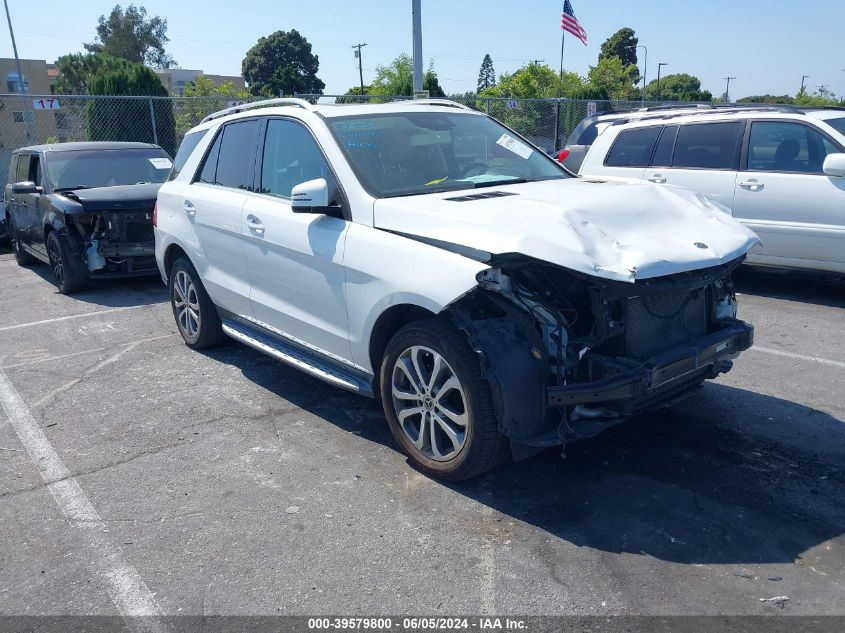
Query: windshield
point(427, 152)
point(837, 124)
point(106, 168)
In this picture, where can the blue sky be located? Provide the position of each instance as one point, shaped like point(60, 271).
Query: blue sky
point(766, 45)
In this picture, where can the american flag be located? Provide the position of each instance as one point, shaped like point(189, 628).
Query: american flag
point(570, 24)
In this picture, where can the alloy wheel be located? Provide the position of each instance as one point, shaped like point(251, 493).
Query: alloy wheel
point(430, 403)
point(186, 304)
point(56, 264)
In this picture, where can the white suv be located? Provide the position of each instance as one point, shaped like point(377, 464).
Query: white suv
point(425, 254)
point(780, 171)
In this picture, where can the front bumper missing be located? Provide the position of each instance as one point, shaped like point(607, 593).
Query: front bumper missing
point(688, 364)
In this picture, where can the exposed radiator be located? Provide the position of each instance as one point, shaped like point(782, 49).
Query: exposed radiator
point(656, 323)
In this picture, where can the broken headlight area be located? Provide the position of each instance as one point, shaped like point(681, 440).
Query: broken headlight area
point(117, 243)
point(568, 355)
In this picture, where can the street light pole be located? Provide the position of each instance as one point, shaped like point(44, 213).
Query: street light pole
point(416, 11)
point(728, 89)
point(803, 78)
point(660, 65)
point(21, 81)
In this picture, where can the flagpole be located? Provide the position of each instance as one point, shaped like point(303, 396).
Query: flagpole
point(559, 90)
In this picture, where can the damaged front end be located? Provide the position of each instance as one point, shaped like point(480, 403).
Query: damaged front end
point(117, 243)
point(567, 355)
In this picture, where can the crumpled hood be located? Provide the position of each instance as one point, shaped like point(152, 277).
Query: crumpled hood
point(615, 230)
point(115, 198)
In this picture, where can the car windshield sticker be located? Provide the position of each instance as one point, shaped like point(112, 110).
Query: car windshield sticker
point(517, 147)
point(161, 163)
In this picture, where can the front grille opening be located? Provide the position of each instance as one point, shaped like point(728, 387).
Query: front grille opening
point(656, 323)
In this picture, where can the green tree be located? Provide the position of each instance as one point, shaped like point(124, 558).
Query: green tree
point(128, 34)
point(129, 119)
point(205, 87)
point(535, 81)
point(486, 75)
point(622, 44)
point(678, 87)
point(397, 79)
point(821, 97)
point(282, 63)
point(772, 99)
point(612, 77)
point(76, 70)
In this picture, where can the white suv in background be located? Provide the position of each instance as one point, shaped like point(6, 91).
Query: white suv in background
point(425, 254)
point(780, 171)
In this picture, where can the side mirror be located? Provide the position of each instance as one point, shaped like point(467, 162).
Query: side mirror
point(311, 196)
point(834, 165)
point(27, 186)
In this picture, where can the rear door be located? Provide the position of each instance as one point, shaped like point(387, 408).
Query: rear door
point(784, 196)
point(295, 260)
point(704, 158)
point(630, 153)
point(213, 203)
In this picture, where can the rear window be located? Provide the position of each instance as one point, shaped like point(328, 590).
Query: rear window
point(186, 148)
point(633, 147)
point(708, 145)
point(837, 124)
point(665, 146)
point(230, 160)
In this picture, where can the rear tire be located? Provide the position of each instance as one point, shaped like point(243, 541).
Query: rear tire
point(196, 315)
point(65, 264)
point(437, 403)
point(22, 257)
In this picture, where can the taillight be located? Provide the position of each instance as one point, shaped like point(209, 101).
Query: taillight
point(155, 214)
point(564, 154)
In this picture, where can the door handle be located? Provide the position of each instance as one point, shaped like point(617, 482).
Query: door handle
point(254, 225)
point(751, 183)
point(658, 178)
point(190, 209)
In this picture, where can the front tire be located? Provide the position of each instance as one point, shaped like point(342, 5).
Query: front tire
point(22, 257)
point(65, 264)
point(437, 403)
point(196, 316)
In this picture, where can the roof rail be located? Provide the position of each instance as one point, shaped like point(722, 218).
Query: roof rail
point(714, 110)
point(288, 101)
point(446, 103)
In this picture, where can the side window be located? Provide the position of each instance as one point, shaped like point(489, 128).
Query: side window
point(22, 174)
point(35, 170)
point(665, 146)
point(235, 163)
point(291, 156)
point(589, 135)
point(209, 166)
point(787, 146)
point(186, 148)
point(708, 145)
point(633, 147)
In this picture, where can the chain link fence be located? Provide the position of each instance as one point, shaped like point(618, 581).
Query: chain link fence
point(38, 119)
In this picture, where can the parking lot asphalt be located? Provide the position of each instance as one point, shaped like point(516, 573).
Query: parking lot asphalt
point(226, 483)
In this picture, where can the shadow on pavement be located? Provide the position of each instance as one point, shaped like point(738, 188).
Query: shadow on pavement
point(827, 289)
point(691, 484)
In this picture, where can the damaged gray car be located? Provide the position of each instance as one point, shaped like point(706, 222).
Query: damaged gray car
point(86, 209)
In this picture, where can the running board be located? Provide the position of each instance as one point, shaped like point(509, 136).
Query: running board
point(299, 358)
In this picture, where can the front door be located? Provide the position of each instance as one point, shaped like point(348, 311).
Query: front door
point(784, 196)
point(295, 260)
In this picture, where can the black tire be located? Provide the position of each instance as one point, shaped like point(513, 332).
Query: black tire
point(184, 280)
point(65, 264)
point(22, 257)
point(483, 446)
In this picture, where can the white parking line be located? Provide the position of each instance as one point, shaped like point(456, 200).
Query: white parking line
point(67, 318)
point(814, 359)
point(124, 584)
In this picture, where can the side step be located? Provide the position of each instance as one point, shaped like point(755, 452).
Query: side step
point(298, 357)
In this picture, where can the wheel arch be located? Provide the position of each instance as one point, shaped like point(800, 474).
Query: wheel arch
point(388, 323)
point(173, 252)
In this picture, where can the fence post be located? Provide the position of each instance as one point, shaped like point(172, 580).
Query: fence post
point(557, 125)
point(153, 121)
